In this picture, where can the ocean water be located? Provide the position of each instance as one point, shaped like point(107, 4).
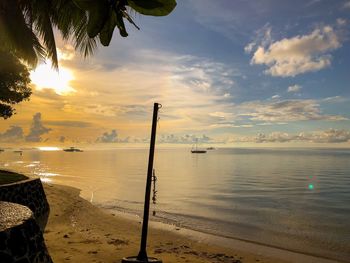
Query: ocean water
point(295, 199)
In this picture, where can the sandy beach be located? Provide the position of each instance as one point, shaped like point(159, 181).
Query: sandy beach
point(77, 231)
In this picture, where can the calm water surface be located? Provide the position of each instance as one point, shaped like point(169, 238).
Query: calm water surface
point(296, 199)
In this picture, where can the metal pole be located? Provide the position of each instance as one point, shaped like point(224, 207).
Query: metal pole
point(142, 256)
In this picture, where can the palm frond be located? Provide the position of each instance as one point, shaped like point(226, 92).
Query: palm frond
point(41, 12)
point(82, 41)
point(18, 37)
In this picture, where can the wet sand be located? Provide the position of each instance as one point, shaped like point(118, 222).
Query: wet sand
point(79, 232)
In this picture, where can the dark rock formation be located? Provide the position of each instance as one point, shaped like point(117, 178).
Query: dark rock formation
point(21, 239)
point(29, 193)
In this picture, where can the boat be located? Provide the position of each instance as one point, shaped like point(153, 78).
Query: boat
point(210, 148)
point(196, 150)
point(72, 149)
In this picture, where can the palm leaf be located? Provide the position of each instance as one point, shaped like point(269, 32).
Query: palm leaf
point(41, 11)
point(18, 37)
point(152, 7)
point(82, 41)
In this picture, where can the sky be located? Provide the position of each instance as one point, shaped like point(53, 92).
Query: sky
point(228, 72)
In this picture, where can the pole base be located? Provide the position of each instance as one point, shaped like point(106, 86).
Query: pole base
point(135, 260)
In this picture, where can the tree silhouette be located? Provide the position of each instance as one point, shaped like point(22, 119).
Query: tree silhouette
point(14, 80)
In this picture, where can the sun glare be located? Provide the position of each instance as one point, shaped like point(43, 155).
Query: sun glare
point(44, 77)
point(47, 148)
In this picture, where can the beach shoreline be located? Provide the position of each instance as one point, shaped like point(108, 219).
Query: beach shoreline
point(78, 231)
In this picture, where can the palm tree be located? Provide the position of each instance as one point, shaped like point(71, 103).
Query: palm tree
point(26, 26)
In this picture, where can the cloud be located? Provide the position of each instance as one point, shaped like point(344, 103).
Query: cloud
point(77, 124)
point(274, 137)
point(189, 87)
point(184, 139)
point(326, 136)
point(37, 129)
point(341, 21)
point(275, 97)
point(300, 54)
point(335, 99)
point(312, 2)
point(285, 111)
point(14, 133)
point(263, 37)
point(347, 5)
point(231, 125)
point(108, 137)
point(294, 88)
point(65, 53)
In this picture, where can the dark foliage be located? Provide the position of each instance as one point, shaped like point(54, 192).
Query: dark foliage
point(14, 83)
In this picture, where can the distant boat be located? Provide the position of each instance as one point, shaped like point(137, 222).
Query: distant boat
point(72, 149)
point(2, 150)
point(210, 148)
point(196, 150)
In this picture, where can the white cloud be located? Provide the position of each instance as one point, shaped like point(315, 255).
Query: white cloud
point(231, 125)
point(221, 115)
point(66, 52)
point(275, 97)
point(249, 47)
point(335, 99)
point(299, 54)
point(263, 37)
point(312, 2)
point(274, 137)
point(37, 129)
point(326, 136)
point(294, 88)
point(341, 21)
point(284, 111)
point(184, 139)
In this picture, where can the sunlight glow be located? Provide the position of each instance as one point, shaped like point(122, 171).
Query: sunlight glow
point(47, 148)
point(44, 77)
point(46, 180)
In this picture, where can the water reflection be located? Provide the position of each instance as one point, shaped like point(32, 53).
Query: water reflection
point(267, 195)
point(46, 180)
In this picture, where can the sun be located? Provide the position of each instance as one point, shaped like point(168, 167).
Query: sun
point(44, 77)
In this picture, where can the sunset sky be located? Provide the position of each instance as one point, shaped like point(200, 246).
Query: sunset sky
point(234, 73)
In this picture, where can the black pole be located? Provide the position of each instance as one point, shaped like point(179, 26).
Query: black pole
point(142, 256)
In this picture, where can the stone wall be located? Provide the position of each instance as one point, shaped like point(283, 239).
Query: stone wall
point(29, 193)
point(21, 239)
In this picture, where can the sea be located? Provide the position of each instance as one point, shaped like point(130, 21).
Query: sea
point(295, 199)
